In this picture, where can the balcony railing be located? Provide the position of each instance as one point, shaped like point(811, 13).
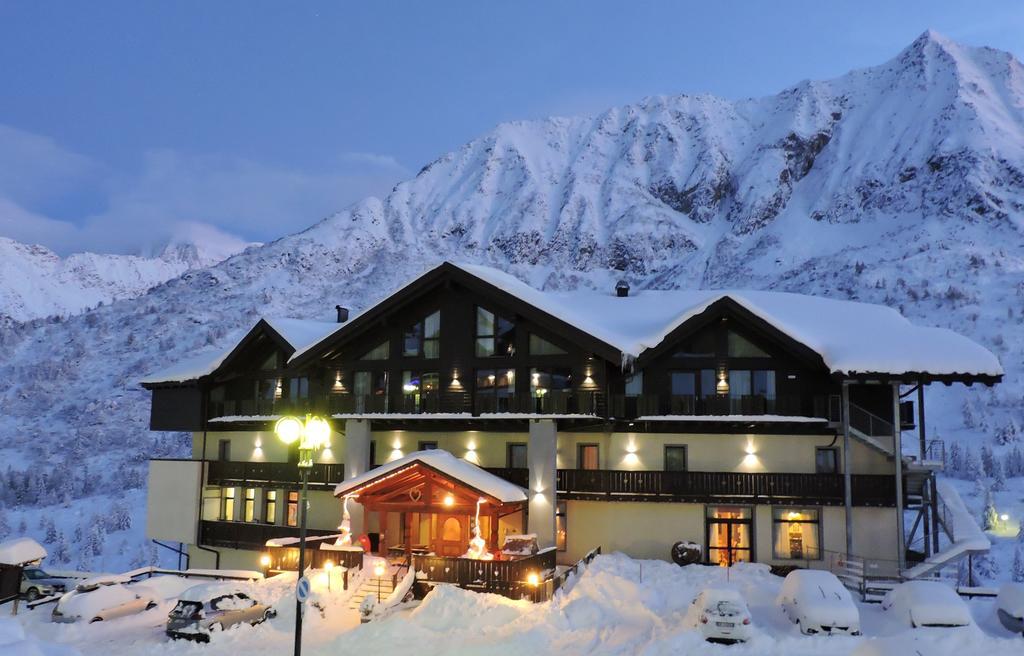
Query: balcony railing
point(245, 535)
point(273, 474)
point(703, 487)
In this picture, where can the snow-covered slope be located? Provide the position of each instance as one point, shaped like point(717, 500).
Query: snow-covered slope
point(35, 282)
point(901, 184)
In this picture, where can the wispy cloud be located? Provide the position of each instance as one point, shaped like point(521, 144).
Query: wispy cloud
point(171, 193)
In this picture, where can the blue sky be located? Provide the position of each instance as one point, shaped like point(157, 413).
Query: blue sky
point(125, 123)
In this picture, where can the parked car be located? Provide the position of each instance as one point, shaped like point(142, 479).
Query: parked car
point(721, 614)
point(1010, 606)
point(102, 599)
point(817, 602)
point(212, 607)
point(36, 583)
point(926, 603)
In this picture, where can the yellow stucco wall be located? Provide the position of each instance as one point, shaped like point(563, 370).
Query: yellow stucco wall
point(260, 446)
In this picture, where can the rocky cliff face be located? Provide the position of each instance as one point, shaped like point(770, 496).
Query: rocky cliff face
point(898, 184)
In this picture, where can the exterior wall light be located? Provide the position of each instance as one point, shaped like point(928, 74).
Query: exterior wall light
point(1004, 517)
point(265, 561)
point(449, 501)
point(722, 387)
point(533, 579)
point(631, 459)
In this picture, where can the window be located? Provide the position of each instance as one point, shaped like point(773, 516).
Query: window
point(561, 524)
point(249, 505)
point(380, 352)
point(516, 456)
point(495, 336)
point(675, 457)
point(702, 345)
point(826, 460)
point(298, 388)
point(495, 389)
point(728, 535)
point(227, 508)
point(708, 383)
point(373, 454)
point(370, 389)
point(751, 392)
point(270, 506)
point(588, 456)
point(548, 379)
point(741, 347)
point(293, 509)
point(427, 446)
point(270, 362)
point(684, 383)
point(268, 389)
point(796, 533)
point(423, 338)
point(635, 384)
point(418, 388)
point(224, 450)
point(541, 346)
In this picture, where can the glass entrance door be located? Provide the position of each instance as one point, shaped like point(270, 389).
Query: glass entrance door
point(728, 535)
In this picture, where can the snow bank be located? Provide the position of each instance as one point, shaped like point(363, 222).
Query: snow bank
point(441, 460)
point(13, 642)
point(20, 551)
point(1011, 599)
point(448, 607)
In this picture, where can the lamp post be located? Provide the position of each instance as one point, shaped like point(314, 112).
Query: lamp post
point(312, 435)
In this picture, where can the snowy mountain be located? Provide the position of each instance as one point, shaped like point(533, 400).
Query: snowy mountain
point(35, 282)
point(900, 184)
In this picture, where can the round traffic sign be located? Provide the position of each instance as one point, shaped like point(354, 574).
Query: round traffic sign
point(302, 589)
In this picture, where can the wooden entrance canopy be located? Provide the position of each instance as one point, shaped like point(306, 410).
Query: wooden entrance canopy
point(434, 483)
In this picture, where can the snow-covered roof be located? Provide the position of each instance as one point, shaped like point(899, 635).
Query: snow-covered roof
point(850, 336)
point(299, 333)
point(20, 551)
point(446, 463)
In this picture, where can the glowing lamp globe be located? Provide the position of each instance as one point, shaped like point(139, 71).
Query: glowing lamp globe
point(449, 501)
point(378, 568)
point(265, 560)
point(533, 579)
point(318, 432)
point(329, 565)
point(288, 429)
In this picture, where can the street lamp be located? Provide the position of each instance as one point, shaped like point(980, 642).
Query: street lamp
point(312, 435)
point(378, 571)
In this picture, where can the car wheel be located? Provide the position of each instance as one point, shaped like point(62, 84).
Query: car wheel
point(95, 619)
point(32, 594)
point(151, 605)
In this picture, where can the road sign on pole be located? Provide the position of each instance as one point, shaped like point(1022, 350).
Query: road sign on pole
point(302, 590)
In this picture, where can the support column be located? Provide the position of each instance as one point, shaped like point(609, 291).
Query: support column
point(357, 461)
point(541, 451)
point(847, 469)
point(926, 501)
point(897, 447)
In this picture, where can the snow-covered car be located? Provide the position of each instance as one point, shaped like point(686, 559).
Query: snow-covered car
point(926, 603)
point(1010, 606)
point(36, 583)
point(212, 607)
point(103, 599)
point(721, 614)
point(817, 602)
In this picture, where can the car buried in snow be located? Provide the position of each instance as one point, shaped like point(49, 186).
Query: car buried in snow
point(721, 615)
point(926, 603)
point(817, 602)
point(209, 608)
point(102, 599)
point(1010, 607)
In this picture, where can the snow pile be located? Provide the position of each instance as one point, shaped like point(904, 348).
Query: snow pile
point(20, 551)
point(927, 603)
point(1011, 599)
point(86, 605)
point(14, 643)
point(446, 463)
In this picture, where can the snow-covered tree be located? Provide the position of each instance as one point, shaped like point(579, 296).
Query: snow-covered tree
point(986, 567)
point(1015, 463)
point(1007, 433)
point(5, 528)
point(22, 527)
point(972, 466)
point(956, 460)
point(998, 479)
point(51, 531)
point(989, 517)
point(1018, 564)
point(987, 461)
point(94, 542)
point(119, 518)
point(61, 551)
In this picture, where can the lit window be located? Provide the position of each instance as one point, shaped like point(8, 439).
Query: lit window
point(495, 389)
point(561, 524)
point(227, 510)
point(249, 505)
point(495, 336)
point(420, 390)
point(797, 533)
point(293, 509)
point(270, 506)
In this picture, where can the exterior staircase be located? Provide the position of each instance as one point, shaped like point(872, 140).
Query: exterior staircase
point(369, 586)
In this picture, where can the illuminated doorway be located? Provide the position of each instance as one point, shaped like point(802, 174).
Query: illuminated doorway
point(728, 535)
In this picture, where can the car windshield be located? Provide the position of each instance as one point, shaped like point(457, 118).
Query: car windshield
point(187, 609)
point(36, 574)
point(727, 608)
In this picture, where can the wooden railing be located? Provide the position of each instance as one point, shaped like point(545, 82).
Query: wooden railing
point(246, 535)
point(705, 487)
point(510, 578)
point(273, 474)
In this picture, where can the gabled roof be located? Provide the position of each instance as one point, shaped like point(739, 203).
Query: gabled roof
point(446, 464)
point(289, 334)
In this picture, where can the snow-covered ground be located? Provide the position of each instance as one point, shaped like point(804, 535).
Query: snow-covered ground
point(618, 606)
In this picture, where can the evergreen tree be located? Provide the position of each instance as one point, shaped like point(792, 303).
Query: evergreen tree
point(1015, 462)
point(51, 531)
point(990, 518)
point(985, 567)
point(956, 460)
point(972, 466)
point(5, 528)
point(998, 479)
point(61, 552)
point(22, 527)
point(1018, 564)
point(987, 460)
point(1007, 433)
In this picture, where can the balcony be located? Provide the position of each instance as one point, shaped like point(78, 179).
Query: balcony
point(645, 405)
point(322, 476)
point(713, 487)
point(243, 535)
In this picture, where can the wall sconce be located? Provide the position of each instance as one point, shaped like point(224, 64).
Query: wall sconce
point(631, 459)
point(471, 453)
point(278, 391)
point(448, 501)
point(456, 383)
point(750, 460)
point(722, 387)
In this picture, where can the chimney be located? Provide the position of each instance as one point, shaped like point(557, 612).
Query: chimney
point(622, 289)
point(342, 313)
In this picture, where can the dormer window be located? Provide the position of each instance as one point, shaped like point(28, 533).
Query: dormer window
point(741, 347)
point(423, 338)
point(495, 335)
